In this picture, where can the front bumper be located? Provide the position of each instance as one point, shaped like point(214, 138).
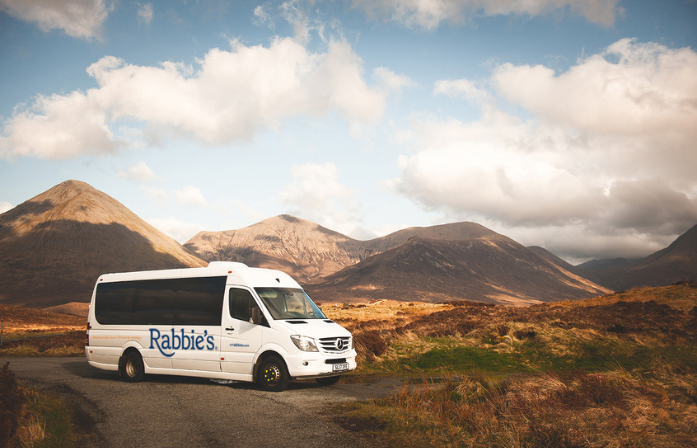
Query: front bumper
point(308, 365)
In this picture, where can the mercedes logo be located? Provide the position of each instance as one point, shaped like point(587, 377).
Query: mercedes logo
point(339, 344)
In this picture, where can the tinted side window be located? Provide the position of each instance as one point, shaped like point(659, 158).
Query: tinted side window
point(187, 301)
point(241, 302)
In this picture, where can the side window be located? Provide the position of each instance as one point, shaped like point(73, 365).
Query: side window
point(241, 302)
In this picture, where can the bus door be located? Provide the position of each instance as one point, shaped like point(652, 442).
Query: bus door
point(195, 348)
point(240, 337)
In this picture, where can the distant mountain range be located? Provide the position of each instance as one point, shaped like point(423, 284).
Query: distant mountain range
point(445, 262)
point(677, 262)
point(54, 246)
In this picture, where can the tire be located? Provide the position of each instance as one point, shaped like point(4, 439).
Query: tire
point(131, 367)
point(328, 380)
point(273, 375)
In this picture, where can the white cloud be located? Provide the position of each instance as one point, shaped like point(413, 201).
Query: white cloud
point(650, 89)
point(262, 17)
point(429, 14)
point(461, 88)
point(392, 81)
point(609, 151)
point(229, 96)
point(159, 195)
point(5, 206)
point(77, 18)
point(139, 173)
point(249, 212)
point(58, 127)
point(145, 13)
point(190, 195)
point(179, 230)
point(318, 195)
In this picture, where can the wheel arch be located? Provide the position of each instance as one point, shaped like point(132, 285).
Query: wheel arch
point(265, 354)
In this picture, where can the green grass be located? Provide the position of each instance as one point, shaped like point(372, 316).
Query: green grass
point(462, 359)
point(52, 418)
point(438, 356)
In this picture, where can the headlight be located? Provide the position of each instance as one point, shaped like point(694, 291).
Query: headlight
point(304, 343)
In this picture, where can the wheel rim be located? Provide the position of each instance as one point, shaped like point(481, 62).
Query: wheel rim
point(131, 368)
point(272, 374)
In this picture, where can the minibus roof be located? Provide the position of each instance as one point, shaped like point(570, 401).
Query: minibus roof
point(237, 273)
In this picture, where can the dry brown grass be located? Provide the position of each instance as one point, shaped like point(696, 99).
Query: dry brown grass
point(54, 342)
point(613, 371)
point(613, 409)
point(30, 418)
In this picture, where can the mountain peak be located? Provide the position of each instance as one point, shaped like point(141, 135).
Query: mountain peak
point(71, 234)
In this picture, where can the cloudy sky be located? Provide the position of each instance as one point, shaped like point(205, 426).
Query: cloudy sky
point(568, 124)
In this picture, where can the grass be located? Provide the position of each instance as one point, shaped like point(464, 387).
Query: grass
point(574, 409)
point(33, 419)
point(58, 342)
point(617, 370)
point(47, 423)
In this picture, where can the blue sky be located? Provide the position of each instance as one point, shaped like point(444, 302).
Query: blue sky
point(568, 124)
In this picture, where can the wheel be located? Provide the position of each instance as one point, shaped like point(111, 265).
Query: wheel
point(273, 375)
point(131, 367)
point(328, 380)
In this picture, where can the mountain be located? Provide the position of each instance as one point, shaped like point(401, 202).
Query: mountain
point(301, 248)
point(55, 245)
point(444, 262)
point(603, 264)
point(487, 268)
point(308, 251)
point(675, 263)
point(541, 251)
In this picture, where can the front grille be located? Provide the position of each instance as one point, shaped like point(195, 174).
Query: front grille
point(335, 345)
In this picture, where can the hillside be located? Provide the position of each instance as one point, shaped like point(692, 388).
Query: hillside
point(19, 318)
point(487, 267)
point(675, 263)
point(55, 245)
point(308, 251)
point(301, 248)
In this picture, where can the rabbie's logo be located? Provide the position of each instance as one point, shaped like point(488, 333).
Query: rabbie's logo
point(175, 341)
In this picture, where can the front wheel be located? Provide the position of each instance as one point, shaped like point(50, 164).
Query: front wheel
point(328, 380)
point(273, 375)
point(131, 367)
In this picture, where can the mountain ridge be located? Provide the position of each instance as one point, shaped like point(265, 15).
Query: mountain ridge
point(55, 245)
point(492, 268)
point(675, 263)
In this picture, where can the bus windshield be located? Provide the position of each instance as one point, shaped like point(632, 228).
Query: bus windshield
point(288, 303)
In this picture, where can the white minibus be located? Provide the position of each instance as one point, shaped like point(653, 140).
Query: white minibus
point(226, 321)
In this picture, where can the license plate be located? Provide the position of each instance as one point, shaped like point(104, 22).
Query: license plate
point(340, 367)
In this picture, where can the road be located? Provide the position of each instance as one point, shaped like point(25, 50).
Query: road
point(168, 411)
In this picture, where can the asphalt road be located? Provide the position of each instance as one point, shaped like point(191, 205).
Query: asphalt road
point(168, 411)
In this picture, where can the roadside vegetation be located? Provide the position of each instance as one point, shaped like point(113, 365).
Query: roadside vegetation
point(618, 370)
point(30, 332)
point(33, 419)
point(57, 342)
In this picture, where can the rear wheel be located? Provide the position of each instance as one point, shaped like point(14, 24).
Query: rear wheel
point(273, 375)
point(131, 367)
point(328, 381)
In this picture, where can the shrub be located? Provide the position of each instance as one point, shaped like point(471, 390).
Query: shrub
point(12, 399)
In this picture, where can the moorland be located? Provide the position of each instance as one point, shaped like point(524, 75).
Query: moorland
point(614, 370)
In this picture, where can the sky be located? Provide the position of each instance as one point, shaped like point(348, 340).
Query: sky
point(566, 124)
